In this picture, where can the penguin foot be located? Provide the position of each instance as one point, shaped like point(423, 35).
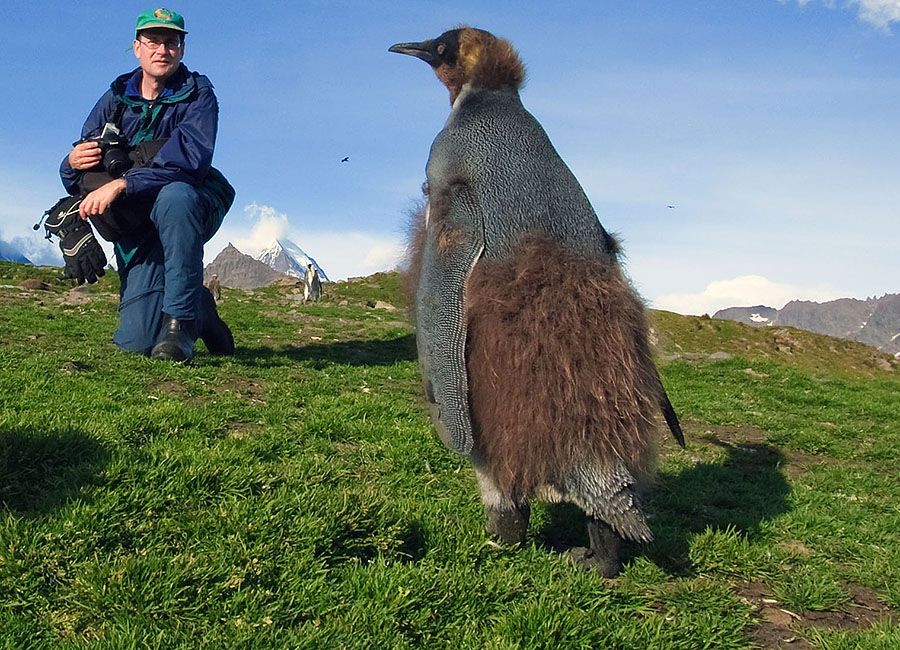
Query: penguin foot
point(603, 555)
point(508, 524)
point(587, 559)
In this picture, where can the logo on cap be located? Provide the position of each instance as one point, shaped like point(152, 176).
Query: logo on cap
point(162, 14)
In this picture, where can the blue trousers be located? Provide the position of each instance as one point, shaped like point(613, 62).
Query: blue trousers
point(165, 274)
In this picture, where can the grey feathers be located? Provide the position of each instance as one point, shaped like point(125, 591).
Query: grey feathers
point(610, 494)
point(453, 243)
point(518, 180)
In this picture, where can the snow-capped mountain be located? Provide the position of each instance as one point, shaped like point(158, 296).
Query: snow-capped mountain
point(286, 257)
point(11, 253)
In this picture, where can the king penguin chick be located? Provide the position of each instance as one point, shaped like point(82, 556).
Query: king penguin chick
point(532, 345)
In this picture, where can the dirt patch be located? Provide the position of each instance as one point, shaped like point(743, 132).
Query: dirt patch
point(73, 298)
point(286, 281)
point(241, 430)
point(780, 627)
point(799, 462)
point(345, 449)
point(245, 389)
point(795, 547)
point(711, 434)
point(786, 342)
point(177, 390)
point(883, 364)
point(732, 435)
point(173, 388)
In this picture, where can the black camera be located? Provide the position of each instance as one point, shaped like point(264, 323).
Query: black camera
point(114, 150)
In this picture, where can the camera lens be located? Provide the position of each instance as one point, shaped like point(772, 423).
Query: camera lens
point(116, 161)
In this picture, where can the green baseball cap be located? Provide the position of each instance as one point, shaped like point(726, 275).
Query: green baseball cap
point(160, 18)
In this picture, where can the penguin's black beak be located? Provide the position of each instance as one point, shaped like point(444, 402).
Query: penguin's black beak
point(419, 50)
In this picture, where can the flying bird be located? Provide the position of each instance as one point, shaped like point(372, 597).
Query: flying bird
point(533, 347)
point(345, 159)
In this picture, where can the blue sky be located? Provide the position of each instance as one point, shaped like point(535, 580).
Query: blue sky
point(771, 126)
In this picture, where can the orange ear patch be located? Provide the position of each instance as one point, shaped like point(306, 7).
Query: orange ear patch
point(488, 61)
point(471, 50)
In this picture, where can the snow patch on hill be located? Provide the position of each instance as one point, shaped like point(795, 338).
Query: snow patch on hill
point(287, 257)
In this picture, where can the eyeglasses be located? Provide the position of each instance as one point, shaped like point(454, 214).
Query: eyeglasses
point(171, 44)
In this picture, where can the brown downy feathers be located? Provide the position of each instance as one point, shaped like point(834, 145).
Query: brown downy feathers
point(560, 373)
point(490, 62)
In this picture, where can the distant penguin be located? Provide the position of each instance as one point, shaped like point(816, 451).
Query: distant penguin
point(532, 345)
point(307, 282)
point(315, 287)
point(215, 288)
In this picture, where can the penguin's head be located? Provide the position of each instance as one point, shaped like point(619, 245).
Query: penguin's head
point(469, 56)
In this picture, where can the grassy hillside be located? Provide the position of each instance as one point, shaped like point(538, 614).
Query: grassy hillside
point(295, 496)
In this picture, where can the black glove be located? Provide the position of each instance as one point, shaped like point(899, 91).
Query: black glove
point(85, 260)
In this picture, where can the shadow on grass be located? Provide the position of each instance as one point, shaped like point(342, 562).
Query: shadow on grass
point(368, 528)
point(402, 542)
point(374, 352)
point(741, 492)
point(39, 469)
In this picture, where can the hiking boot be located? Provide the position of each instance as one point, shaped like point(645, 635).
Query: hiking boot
point(175, 341)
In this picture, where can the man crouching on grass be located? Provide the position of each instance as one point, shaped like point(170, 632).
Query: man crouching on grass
point(143, 168)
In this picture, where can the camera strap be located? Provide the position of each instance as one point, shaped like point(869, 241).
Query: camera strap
point(117, 116)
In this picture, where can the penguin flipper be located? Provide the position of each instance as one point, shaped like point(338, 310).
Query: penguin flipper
point(454, 241)
point(668, 412)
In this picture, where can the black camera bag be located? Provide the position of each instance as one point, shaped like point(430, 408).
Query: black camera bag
point(122, 217)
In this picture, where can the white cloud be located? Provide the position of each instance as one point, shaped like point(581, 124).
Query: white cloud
point(270, 225)
point(341, 254)
point(880, 13)
point(383, 256)
point(37, 249)
point(351, 254)
point(743, 291)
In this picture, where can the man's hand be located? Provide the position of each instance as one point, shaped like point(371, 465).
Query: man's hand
point(100, 199)
point(85, 155)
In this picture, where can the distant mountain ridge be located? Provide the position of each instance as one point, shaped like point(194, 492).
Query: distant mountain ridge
point(874, 321)
point(240, 271)
point(286, 257)
point(758, 316)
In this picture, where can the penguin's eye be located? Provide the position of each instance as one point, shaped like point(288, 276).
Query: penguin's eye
point(441, 48)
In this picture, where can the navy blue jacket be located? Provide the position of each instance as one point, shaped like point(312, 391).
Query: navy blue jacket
point(186, 112)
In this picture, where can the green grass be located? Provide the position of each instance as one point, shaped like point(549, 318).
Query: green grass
point(296, 496)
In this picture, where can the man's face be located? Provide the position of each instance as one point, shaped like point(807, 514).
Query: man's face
point(159, 51)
